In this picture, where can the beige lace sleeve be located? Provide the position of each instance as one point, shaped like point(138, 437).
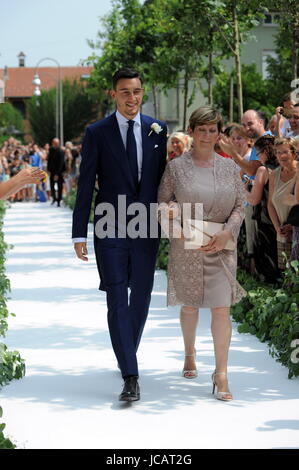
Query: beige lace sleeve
point(171, 227)
point(237, 215)
point(166, 188)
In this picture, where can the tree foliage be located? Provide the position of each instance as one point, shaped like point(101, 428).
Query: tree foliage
point(255, 91)
point(172, 42)
point(136, 36)
point(78, 109)
point(234, 19)
point(10, 116)
point(175, 43)
point(284, 68)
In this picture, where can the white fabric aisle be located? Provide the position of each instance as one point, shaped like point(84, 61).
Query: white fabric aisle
point(69, 396)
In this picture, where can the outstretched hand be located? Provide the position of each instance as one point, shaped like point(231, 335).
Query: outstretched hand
point(226, 146)
point(30, 176)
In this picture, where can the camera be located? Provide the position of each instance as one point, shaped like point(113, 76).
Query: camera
point(245, 178)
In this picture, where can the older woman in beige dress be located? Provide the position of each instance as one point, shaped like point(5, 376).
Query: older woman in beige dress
point(205, 277)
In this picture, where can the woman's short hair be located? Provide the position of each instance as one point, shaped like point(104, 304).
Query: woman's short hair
point(286, 141)
point(265, 144)
point(206, 115)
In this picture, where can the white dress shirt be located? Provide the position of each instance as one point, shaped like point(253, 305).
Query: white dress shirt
point(292, 134)
point(123, 127)
point(285, 129)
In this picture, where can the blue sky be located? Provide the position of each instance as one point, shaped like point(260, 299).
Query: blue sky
point(49, 28)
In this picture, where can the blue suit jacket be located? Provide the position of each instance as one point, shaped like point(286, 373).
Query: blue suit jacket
point(104, 157)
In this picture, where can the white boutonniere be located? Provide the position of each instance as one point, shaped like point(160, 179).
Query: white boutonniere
point(155, 127)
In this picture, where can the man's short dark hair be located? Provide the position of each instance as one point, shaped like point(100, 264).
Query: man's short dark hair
point(261, 115)
point(124, 73)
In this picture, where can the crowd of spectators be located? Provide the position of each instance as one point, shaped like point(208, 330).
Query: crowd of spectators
point(14, 156)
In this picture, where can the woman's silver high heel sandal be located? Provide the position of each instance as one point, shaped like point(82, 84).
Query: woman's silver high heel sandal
point(224, 396)
point(190, 374)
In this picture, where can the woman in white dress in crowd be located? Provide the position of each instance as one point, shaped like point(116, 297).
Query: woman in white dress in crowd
point(205, 277)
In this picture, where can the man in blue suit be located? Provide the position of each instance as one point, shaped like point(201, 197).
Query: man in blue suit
point(127, 153)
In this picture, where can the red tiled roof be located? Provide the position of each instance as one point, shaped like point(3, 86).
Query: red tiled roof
point(19, 82)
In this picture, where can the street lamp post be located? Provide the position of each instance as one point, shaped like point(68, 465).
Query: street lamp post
point(59, 98)
point(37, 82)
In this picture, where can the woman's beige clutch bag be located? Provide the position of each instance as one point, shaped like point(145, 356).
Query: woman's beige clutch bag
point(200, 232)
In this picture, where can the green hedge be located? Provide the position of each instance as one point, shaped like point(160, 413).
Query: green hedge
point(12, 366)
point(5, 443)
point(162, 257)
point(272, 314)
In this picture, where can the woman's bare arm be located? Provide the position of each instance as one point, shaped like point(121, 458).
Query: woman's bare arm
point(271, 209)
point(256, 194)
point(25, 176)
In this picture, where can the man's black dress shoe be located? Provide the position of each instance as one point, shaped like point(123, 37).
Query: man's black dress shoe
point(131, 391)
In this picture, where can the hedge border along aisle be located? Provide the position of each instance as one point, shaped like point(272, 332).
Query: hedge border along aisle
point(12, 366)
point(272, 314)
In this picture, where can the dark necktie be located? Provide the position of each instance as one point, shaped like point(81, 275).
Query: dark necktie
point(132, 152)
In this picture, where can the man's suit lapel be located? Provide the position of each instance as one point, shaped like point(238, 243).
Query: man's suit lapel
point(118, 149)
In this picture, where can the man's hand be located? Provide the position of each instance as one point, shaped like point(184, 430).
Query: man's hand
point(81, 250)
